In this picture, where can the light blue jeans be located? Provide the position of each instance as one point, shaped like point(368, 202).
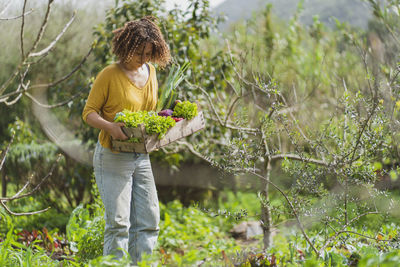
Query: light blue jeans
point(127, 189)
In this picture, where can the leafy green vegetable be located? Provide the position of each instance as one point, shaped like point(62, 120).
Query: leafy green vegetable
point(185, 110)
point(175, 77)
point(131, 119)
point(153, 123)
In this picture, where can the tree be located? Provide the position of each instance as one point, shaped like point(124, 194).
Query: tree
point(264, 126)
point(20, 85)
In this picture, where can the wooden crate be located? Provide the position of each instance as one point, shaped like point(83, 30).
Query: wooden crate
point(149, 143)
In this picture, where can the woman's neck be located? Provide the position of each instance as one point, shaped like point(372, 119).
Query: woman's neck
point(134, 70)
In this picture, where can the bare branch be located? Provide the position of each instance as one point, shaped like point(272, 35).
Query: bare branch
point(232, 61)
point(22, 32)
point(231, 109)
point(249, 130)
point(194, 152)
point(42, 28)
point(344, 227)
point(295, 121)
point(366, 236)
point(5, 96)
point(240, 76)
point(208, 98)
point(360, 134)
point(42, 53)
point(24, 187)
point(288, 109)
point(4, 154)
point(364, 61)
point(216, 92)
point(228, 82)
point(21, 84)
point(22, 213)
point(66, 76)
point(52, 44)
point(17, 17)
point(299, 158)
point(210, 161)
point(283, 100)
point(266, 147)
point(293, 209)
point(18, 196)
point(54, 105)
point(330, 226)
point(12, 77)
point(15, 100)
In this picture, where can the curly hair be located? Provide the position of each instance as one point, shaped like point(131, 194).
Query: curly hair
point(136, 34)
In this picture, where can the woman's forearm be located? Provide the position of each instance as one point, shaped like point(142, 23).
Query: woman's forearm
point(113, 128)
point(96, 121)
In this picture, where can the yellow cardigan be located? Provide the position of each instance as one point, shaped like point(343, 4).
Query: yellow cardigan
point(113, 91)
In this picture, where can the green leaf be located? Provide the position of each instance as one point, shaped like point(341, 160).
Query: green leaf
point(393, 175)
point(377, 166)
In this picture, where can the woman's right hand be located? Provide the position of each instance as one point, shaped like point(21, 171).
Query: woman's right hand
point(115, 130)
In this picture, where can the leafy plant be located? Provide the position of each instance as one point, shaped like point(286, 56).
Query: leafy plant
point(185, 110)
point(13, 253)
point(85, 229)
point(153, 123)
point(43, 238)
point(167, 94)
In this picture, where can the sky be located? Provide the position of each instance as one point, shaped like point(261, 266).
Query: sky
point(170, 3)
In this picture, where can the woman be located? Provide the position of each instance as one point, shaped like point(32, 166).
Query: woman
point(125, 180)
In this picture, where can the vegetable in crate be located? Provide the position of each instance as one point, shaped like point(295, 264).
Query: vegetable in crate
point(158, 124)
point(168, 113)
point(185, 110)
point(177, 119)
point(166, 92)
point(131, 119)
point(153, 123)
point(174, 104)
point(165, 112)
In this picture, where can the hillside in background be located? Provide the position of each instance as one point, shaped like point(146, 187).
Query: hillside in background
point(355, 12)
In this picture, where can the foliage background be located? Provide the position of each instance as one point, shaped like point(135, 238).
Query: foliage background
point(322, 71)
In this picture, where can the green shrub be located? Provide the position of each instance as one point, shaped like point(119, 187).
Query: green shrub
point(188, 235)
point(85, 229)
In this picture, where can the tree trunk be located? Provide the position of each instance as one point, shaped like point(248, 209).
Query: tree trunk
point(265, 209)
